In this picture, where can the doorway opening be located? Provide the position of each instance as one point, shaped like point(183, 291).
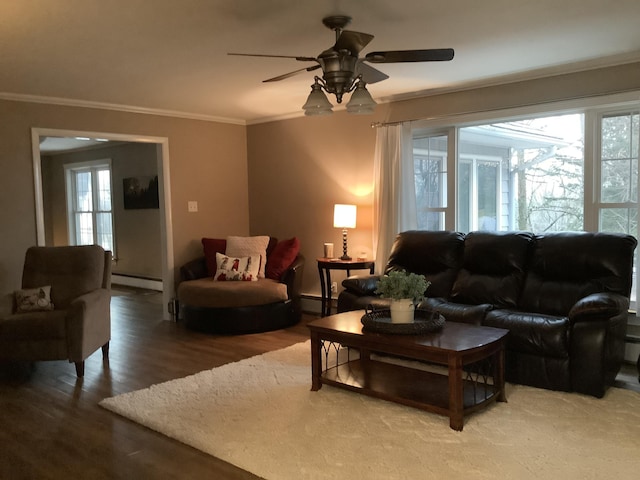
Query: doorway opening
point(157, 149)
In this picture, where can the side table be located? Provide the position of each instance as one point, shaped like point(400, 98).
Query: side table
point(325, 265)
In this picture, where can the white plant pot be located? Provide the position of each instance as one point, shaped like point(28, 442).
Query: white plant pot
point(402, 311)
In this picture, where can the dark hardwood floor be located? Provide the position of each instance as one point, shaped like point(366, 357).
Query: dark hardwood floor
point(51, 426)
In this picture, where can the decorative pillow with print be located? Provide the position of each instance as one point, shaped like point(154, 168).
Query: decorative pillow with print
point(244, 269)
point(249, 246)
point(34, 300)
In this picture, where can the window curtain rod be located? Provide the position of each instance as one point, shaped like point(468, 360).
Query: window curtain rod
point(519, 105)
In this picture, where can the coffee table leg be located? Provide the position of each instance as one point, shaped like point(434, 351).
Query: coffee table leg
point(316, 362)
point(498, 378)
point(456, 394)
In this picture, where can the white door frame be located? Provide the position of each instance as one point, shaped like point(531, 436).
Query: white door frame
point(166, 224)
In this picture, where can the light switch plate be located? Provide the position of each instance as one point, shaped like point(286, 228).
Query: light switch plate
point(192, 206)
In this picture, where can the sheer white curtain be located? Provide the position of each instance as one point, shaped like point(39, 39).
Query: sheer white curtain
point(394, 189)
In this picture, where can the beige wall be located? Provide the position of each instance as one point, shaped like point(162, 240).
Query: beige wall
point(299, 168)
point(208, 163)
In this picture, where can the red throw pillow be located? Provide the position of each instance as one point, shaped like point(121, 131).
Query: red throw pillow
point(212, 246)
point(283, 255)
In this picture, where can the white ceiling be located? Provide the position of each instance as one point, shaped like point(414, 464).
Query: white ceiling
point(171, 55)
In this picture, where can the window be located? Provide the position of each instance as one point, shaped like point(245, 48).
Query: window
point(89, 204)
point(430, 170)
point(539, 173)
point(618, 205)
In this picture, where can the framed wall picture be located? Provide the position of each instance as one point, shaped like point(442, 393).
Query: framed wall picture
point(141, 192)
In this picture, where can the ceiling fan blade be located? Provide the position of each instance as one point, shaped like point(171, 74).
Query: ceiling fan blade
point(352, 41)
point(370, 74)
point(300, 59)
point(397, 56)
point(291, 74)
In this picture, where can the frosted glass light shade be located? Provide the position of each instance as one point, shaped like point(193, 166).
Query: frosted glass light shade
point(361, 102)
point(317, 102)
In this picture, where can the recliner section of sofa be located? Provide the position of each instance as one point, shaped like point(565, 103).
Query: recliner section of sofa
point(563, 296)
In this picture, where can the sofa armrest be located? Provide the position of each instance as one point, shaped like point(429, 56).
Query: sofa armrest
point(194, 269)
point(596, 341)
point(361, 284)
point(292, 277)
point(598, 306)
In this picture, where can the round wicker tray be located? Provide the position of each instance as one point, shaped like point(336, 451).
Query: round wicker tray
point(379, 321)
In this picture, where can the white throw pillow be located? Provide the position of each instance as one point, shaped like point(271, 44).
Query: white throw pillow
point(244, 269)
point(249, 247)
point(34, 299)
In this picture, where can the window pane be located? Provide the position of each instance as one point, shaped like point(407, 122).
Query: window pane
point(430, 171)
point(619, 220)
point(84, 195)
point(487, 195)
point(522, 175)
point(84, 229)
point(104, 230)
point(465, 181)
point(619, 168)
point(104, 190)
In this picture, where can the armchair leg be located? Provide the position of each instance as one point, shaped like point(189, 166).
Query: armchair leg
point(105, 350)
point(80, 369)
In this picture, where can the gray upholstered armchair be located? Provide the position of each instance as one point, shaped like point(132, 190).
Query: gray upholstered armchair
point(63, 310)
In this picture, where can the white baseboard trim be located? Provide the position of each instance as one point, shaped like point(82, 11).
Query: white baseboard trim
point(136, 282)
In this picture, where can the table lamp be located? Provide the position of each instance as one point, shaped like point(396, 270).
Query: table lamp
point(344, 216)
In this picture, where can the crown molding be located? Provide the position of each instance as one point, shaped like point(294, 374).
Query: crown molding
point(19, 97)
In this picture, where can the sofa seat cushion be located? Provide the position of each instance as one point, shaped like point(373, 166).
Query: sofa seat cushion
point(205, 292)
point(534, 333)
point(34, 325)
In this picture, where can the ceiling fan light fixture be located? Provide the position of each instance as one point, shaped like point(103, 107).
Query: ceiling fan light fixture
point(361, 102)
point(317, 102)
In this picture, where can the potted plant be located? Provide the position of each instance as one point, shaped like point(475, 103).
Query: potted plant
point(405, 290)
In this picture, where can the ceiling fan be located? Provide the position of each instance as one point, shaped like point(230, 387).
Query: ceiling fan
point(343, 71)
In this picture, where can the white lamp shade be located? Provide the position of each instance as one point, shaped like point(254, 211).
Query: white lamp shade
point(344, 216)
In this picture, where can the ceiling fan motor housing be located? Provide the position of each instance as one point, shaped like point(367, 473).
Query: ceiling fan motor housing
point(338, 71)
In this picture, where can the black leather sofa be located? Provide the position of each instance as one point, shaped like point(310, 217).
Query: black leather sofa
point(564, 297)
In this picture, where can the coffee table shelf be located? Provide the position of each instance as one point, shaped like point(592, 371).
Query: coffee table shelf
point(405, 385)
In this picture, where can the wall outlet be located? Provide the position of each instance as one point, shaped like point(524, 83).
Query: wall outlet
point(334, 287)
point(192, 206)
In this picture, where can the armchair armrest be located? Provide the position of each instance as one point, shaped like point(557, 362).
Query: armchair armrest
point(194, 269)
point(88, 323)
point(598, 306)
point(362, 284)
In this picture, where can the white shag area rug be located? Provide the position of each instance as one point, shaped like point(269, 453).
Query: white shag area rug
point(260, 415)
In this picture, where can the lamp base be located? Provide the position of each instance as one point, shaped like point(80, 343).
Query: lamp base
point(344, 246)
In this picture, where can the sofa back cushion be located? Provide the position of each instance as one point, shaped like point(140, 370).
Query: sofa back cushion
point(436, 255)
point(571, 265)
point(494, 268)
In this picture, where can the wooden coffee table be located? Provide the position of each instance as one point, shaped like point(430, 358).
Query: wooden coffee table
point(473, 355)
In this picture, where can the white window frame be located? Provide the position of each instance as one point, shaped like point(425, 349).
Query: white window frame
point(70, 169)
